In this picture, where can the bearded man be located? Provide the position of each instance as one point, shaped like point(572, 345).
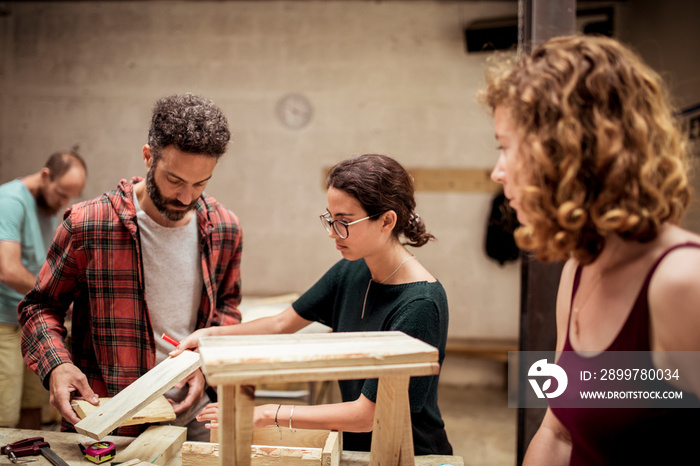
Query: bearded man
point(156, 255)
point(28, 207)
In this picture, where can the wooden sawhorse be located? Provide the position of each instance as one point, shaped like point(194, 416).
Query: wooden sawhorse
point(234, 362)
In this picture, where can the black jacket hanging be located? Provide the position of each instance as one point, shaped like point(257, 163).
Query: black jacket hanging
point(500, 243)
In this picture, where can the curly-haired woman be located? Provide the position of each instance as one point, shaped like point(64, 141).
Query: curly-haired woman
point(593, 162)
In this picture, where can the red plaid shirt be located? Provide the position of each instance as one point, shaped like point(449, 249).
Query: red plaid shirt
point(95, 263)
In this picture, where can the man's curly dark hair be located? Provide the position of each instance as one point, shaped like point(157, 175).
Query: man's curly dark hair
point(190, 123)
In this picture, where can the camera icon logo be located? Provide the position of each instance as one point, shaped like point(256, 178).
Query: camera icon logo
point(542, 368)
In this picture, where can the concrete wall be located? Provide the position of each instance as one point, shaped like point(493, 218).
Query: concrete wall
point(385, 77)
point(388, 77)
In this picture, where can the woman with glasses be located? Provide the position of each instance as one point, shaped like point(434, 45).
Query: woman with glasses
point(377, 286)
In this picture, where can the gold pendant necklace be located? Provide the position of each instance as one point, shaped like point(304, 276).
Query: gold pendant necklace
point(584, 300)
point(364, 303)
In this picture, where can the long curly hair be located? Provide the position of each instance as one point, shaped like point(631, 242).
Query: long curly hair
point(380, 183)
point(189, 122)
point(601, 151)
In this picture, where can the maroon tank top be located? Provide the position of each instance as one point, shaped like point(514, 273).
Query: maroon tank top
point(627, 436)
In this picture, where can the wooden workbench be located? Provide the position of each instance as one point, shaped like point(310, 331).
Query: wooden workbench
point(63, 443)
point(66, 446)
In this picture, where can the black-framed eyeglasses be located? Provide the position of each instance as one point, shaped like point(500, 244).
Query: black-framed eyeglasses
point(340, 226)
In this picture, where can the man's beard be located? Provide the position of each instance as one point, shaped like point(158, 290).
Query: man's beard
point(44, 206)
point(162, 203)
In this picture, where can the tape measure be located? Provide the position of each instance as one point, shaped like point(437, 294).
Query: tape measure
point(100, 452)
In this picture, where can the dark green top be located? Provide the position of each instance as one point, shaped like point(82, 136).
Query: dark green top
point(418, 309)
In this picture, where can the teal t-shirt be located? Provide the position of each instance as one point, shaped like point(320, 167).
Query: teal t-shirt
point(21, 222)
point(418, 309)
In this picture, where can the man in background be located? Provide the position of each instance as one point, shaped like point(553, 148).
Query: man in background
point(28, 209)
point(154, 256)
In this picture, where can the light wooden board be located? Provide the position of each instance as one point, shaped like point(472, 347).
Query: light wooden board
point(136, 462)
point(485, 348)
point(208, 454)
point(361, 458)
point(157, 445)
point(159, 410)
point(465, 180)
point(323, 453)
point(236, 404)
point(139, 394)
point(321, 374)
point(272, 435)
point(330, 455)
point(460, 180)
point(333, 356)
point(392, 437)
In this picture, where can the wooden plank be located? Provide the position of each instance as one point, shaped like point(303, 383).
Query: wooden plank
point(496, 349)
point(285, 456)
point(159, 410)
point(361, 458)
point(155, 446)
point(482, 344)
point(365, 336)
point(134, 462)
point(392, 435)
point(311, 351)
point(139, 394)
point(464, 180)
point(209, 454)
point(283, 437)
point(300, 348)
point(200, 454)
point(460, 180)
point(330, 455)
point(319, 375)
point(236, 405)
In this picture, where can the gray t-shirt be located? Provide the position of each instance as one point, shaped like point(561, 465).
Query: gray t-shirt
point(173, 278)
point(172, 269)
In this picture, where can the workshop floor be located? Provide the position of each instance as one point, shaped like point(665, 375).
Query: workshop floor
point(480, 426)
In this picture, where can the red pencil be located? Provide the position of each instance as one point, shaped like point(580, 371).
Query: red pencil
point(170, 340)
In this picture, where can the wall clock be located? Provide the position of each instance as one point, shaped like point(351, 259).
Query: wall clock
point(294, 111)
